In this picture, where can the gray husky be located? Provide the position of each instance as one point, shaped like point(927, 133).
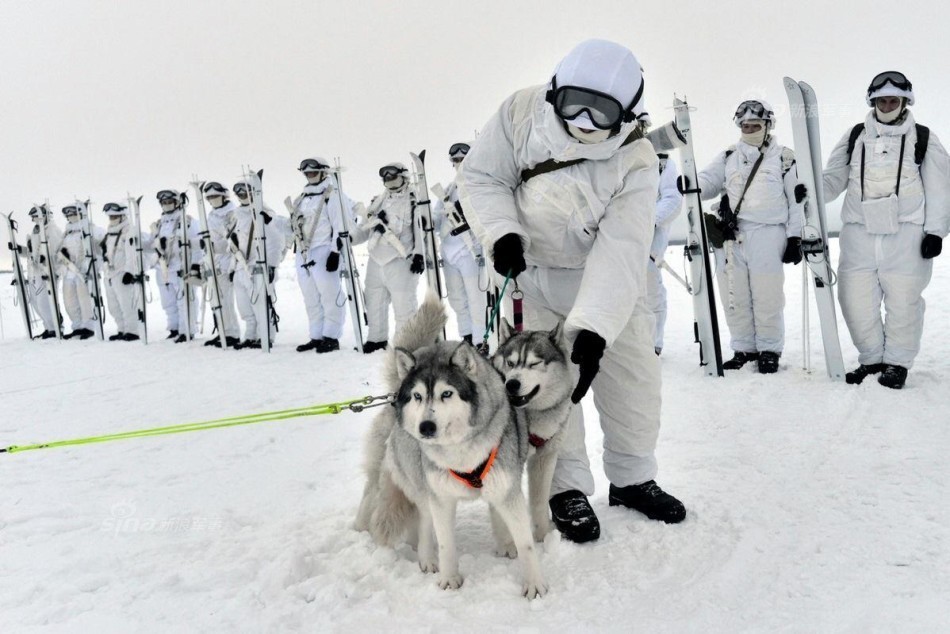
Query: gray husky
point(538, 382)
point(452, 435)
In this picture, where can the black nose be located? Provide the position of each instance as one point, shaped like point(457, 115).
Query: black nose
point(427, 429)
point(513, 386)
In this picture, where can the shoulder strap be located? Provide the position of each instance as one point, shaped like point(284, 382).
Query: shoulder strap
point(551, 165)
point(853, 138)
point(920, 147)
point(755, 168)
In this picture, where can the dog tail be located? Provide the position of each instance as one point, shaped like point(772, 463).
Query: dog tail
point(422, 329)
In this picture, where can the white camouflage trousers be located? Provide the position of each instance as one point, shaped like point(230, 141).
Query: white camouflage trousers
point(469, 302)
point(322, 294)
point(123, 303)
point(78, 301)
point(391, 282)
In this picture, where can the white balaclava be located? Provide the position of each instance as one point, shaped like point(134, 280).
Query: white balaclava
point(888, 89)
point(755, 139)
point(893, 115)
point(606, 67)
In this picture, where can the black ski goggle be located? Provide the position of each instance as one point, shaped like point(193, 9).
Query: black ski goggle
point(312, 165)
point(214, 188)
point(240, 189)
point(755, 108)
point(72, 210)
point(165, 195)
point(113, 207)
point(893, 77)
point(389, 172)
point(604, 111)
point(459, 150)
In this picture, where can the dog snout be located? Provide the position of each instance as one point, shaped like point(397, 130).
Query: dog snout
point(427, 429)
point(513, 386)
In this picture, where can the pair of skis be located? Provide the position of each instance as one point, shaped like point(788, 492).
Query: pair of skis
point(91, 274)
point(349, 272)
point(140, 278)
point(19, 279)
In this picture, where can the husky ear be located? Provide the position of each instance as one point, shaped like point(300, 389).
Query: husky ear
point(505, 330)
point(557, 334)
point(405, 362)
point(464, 359)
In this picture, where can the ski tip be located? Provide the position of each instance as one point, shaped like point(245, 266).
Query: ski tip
point(422, 156)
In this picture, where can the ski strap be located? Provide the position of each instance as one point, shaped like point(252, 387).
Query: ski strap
point(354, 405)
point(551, 165)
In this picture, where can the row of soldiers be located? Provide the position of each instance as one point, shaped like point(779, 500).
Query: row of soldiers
point(321, 224)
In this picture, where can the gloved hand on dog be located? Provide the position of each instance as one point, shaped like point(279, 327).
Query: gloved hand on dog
point(587, 352)
point(508, 255)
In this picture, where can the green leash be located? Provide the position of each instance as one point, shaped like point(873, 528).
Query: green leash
point(355, 405)
point(483, 347)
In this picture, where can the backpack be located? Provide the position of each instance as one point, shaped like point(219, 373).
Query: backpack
point(920, 147)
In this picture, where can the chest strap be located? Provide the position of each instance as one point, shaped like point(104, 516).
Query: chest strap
point(476, 478)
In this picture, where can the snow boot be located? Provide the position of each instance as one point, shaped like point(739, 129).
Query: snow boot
point(893, 376)
point(130, 336)
point(574, 517)
point(83, 333)
point(739, 360)
point(251, 344)
point(648, 498)
point(854, 377)
point(119, 336)
point(216, 342)
point(182, 338)
point(310, 345)
point(768, 362)
point(372, 346)
point(71, 335)
point(328, 345)
point(47, 334)
point(232, 342)
point(172, 334)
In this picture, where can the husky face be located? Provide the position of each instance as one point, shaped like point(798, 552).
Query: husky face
point(534, 365)
point(438, 397)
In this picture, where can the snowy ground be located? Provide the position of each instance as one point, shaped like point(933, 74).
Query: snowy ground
point(813, 506)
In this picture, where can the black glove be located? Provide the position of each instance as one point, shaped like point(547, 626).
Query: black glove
point(65, 252)
point(682, 184)
point(339, 244)
point(793, 251)
point(271, 273)
point(333, 262)
point(231, 277)
point(163, 242)
point(201, 243)
point(380, 228)
point(14, 247)
point(266, 217)
point(196, 270)
point(931, 246)
point(587, 352)
point(800, 192)
point(418, 265)
point(128, 278)
point(508, 255)
point(383, 217)
point(42, 259)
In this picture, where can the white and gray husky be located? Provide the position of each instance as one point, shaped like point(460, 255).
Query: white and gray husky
point(538, 382)
point(452, 435)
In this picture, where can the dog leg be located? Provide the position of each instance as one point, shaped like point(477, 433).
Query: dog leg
point(426, 549)
point(392, 513)
point(504, 546)
point(514, 511)
point(540, 474)
point(443, 519)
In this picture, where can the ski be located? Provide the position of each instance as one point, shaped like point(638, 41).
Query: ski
point(91, 274)
point(696, 252)
point(803, 106)
point(19, 279)
point(184, 246)
point(263, 286)
point(210, 270)
point(140, 277)
point(422, 203)
point(349, 271)
point(52, 294)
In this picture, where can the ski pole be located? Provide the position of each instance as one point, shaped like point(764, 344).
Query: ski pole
point(354, 405)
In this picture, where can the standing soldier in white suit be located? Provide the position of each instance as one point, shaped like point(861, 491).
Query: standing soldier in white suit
point(895, 215)
point(562, 185)
point(120, 269)
point(669, 202)
point(36, 267)
point(77, 300)
point(395, 256)
point(220, 229)
point(166, 243)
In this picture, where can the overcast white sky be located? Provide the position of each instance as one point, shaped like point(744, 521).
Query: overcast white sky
point(100, 97)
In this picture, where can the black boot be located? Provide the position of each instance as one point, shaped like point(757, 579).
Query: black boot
point(739, 360)
point(48, 334)
point(83, 333)
point(893, 376)
point(172, 334)
point(130, 336)
point(251, 344)
point(372, 346)
point(119, 336)
point(854, 377)
point(232, 342)
point(574, 517)
point(216, 342)
point(649, 499)
point(328, 345)
point(467, 338)
point(768, 362)
point(71, 335)
point(310, 345)
point(182, 338)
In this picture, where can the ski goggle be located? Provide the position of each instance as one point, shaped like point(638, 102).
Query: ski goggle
point(312, 165)
point(459, 150)
point(893, 77)
point(389, 172)
point(214, 188)
point(113, 208)
point(604, 111)
point(71, 210)
point(240, 189)
point(167, 194)
point(753, 108)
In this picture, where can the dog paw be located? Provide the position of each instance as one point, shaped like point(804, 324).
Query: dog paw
point(428, 566)
point(534, 589)
point(507, 550)
point(450, 582)
point(540, 532)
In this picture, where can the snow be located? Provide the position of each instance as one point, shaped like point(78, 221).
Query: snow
point(812, 505)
